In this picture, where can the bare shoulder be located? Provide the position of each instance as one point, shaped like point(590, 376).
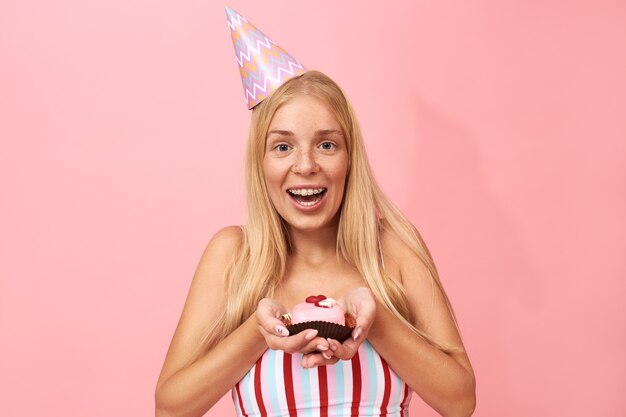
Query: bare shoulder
point(233, 233)
point(206, 293)
point(401, 261)
point(429, 304)
point(393, 243)
point(425, 295)
point(221, 249)
point(226, 239)
point(208, 280)
point(208, 286)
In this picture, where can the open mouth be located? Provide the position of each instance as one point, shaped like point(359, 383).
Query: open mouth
point(306, 197)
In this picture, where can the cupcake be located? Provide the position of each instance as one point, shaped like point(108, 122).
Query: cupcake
point(323, 314)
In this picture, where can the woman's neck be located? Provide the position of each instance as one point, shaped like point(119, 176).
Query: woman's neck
point(313, 247)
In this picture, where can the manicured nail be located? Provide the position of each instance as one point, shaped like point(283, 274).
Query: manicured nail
point(311, 335)
point(332, 345)
point(322, 347)
point(327, 357)
point(281, 330)
point(357, 334)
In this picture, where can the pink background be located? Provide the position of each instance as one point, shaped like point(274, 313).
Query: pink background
point(498, 127)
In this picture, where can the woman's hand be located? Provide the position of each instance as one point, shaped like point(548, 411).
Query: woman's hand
point(277, 336)
point(359, 303)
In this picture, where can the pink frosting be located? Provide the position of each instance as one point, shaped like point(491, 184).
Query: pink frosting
point(304, 312)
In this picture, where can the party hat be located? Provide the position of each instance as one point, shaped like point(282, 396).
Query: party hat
point(263, 65)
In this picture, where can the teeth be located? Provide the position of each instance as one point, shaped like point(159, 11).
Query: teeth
point(306, 191)
point(308, 203)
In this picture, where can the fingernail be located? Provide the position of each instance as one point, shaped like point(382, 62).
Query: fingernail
point(332, 345)
point(322, 347)
point(281, 330)
point(311, 335)
point(357, 334)
point(327, 357)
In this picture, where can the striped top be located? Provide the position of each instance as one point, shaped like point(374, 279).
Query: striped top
point(277, 385)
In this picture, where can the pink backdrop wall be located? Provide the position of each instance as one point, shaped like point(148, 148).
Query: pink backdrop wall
point(498, 127)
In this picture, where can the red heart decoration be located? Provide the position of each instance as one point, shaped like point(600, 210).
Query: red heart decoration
point(314, 299)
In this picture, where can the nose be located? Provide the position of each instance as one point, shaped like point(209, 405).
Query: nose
point(305, 162)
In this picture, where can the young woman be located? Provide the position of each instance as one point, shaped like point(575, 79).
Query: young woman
point(317, 223)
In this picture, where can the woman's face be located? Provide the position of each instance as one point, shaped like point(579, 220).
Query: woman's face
point(305, 163)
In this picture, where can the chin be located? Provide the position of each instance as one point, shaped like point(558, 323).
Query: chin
point(312, 225)
point(306, 226)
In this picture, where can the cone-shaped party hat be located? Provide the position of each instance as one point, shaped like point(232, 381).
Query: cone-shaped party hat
point(263, 65)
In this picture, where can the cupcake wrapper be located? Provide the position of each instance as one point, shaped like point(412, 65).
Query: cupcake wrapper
point(324, 329)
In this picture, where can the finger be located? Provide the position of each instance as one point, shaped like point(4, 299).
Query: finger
point(345, 350)
point(364, 319)
point(363, 322)
point(296, 343)
point(357, 332)
point(281, 330)
point(318, 344)
point(313, 360)
point(267, 315)
point(274, 327)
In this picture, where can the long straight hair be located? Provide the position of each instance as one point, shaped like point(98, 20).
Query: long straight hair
point(257, 269)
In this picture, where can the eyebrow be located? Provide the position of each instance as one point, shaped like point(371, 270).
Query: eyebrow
point(325, 132)
point(280, 132)
point(322, 132)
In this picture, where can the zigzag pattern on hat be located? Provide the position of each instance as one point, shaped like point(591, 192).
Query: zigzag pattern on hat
point(263, 65)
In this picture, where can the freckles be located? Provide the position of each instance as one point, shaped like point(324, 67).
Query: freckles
point(338, 170)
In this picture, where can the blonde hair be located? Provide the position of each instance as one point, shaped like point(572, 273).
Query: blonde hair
point(257, 270)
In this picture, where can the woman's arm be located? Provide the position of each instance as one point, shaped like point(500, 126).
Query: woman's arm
point(445, 381)
point(188, 387)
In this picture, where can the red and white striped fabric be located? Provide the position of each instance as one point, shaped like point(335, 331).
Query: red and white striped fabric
point(277, 385)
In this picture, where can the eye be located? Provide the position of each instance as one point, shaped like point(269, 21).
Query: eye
point(282, 147)
point(328, 146)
